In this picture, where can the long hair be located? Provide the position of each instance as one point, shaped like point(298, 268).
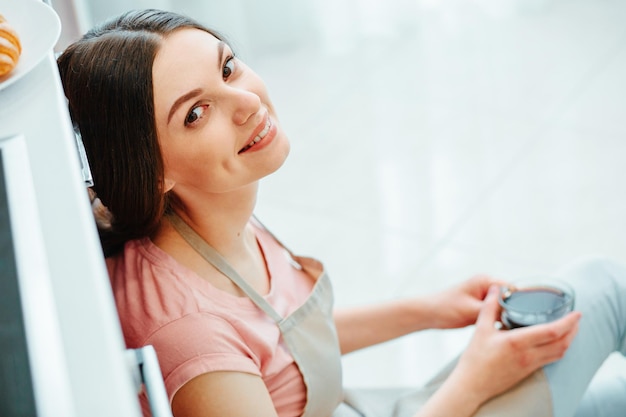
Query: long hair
point(107, 78)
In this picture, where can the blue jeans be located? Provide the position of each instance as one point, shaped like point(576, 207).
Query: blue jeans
point(600, 286)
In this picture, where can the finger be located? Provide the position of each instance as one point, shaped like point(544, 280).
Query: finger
point(555, 350)
point(479, 285)
point(541, 334)
point(490, 310)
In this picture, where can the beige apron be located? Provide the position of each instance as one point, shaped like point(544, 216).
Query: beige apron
point(310, 335)
point(309, 332)
point(529, 398)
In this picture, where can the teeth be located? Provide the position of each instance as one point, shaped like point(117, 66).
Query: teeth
point(261, 134)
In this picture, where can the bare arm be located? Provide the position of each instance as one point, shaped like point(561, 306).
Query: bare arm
point(223, 394)
point(360, 327)
point(458, 306)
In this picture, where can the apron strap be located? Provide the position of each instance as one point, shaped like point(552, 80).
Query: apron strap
point(214, 258)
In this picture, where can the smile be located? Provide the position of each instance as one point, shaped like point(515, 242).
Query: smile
point(259, 136)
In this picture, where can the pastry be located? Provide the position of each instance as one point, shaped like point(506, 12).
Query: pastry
point(10, 47)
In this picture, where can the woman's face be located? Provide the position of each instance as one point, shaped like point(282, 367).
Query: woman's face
point(216, 125)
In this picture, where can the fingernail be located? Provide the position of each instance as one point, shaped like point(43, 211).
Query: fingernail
point(493, 289)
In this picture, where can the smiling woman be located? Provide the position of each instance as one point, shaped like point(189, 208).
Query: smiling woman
point(210, 121)
point(179, 132)
point(182, 106)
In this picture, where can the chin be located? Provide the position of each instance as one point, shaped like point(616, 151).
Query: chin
point(281, 156)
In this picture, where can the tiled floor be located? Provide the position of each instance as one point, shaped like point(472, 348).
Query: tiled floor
point(436, 139)
point(449, 138)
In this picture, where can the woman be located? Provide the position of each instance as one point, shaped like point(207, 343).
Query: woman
point(179, 132)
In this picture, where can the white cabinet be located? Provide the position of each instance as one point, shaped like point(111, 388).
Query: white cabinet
point(100, 380)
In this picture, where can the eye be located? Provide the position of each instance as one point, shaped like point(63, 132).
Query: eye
point(196, 114)
point(229, 67)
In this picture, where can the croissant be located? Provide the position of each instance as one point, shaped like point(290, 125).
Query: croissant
point(10, 47)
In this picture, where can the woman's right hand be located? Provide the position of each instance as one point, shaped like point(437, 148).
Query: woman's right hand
point(495, 360)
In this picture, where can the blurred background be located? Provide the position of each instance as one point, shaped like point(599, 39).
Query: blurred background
point(432, 140)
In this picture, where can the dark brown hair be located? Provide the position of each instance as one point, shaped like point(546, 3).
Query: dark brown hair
point(107, 78)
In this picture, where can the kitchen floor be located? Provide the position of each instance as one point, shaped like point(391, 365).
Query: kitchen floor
point(433, 140)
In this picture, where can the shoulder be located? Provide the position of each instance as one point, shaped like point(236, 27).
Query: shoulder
point(158, 298)
point(201, 343)
point(149, 288)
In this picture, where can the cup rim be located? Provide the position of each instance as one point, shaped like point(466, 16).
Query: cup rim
point(536, 282)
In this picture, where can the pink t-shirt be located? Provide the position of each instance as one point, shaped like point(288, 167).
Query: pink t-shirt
point(196, 328)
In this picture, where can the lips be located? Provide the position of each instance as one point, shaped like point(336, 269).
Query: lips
point(259, 136)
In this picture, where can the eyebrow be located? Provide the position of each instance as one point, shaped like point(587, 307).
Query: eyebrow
point(193, 93)
point(196, 91)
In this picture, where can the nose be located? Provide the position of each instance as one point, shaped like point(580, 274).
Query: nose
point(245, 103)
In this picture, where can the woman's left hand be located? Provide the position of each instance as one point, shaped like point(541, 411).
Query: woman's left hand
point(459, 305)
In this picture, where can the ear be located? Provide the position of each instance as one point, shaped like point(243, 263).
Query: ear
point(168, 184)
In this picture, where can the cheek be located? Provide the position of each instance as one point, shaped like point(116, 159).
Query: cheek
point(188, 165)
point(200, 167)
point(179, 162)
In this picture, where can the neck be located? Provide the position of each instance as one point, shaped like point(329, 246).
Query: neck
point(220, 219)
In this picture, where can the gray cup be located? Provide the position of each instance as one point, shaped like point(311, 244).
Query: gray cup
point(534, 301)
